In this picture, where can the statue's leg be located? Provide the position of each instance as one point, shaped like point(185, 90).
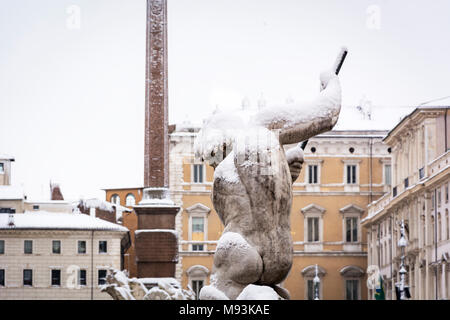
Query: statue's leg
point(236, 264)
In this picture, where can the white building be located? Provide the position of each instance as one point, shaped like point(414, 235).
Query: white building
point(420, 197)
point(57, 255)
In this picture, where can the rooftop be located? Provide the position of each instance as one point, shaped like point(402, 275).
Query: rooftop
point(6, 157)
point(42, 220)
point(9, 192)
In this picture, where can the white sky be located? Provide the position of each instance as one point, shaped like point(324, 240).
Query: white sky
point(72, 99)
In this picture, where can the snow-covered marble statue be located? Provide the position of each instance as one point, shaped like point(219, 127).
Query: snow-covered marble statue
point(252, 190)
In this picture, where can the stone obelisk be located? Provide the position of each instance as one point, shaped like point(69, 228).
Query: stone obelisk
point(156, 241)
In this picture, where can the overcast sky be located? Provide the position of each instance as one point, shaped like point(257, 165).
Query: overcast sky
point(72, 73)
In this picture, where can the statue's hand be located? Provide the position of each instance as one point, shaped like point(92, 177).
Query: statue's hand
point(294, 157)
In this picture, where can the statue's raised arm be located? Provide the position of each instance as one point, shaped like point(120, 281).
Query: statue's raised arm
point(296, 123)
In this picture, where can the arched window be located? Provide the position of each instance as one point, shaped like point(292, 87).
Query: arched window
point(309, 274)
point(352, 282)
point(197, 276)
point(130, 200)
point(115, 199)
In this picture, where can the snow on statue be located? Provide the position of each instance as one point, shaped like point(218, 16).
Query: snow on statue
point(252, 190)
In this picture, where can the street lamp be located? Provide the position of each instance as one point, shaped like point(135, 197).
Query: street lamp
point(316, 282)
point(402, 243)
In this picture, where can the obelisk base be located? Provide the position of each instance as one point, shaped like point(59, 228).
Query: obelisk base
point(155, 238)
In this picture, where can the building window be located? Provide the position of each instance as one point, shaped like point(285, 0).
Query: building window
point(56, 246)
point(82, 277)
point(313, 174)
point(101, 277)
point(197, 275)
point(198, 173)
point(421, 173)
point(439, 197)
point(27, 277)
point(56, 277)
point(102, 246)
point(351, 229)
point(352, 289)
point(115, 199)
point(351, 174)
point(2, 277)
point(197, 285)
point(446, 193)
point(198, 226)
point(313, 229)
point(82, 247)
point(198, 231)
point(2, 246)
point(28, 246)
point(130, 200)
point(2, 168)
point(35, 207)
point(311, 293)
point(387, 174)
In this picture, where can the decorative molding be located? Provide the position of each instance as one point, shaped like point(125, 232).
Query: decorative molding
point(313, 208)
point(198, 208)
point(351, 208)
point(310, 271)
point(352, 272)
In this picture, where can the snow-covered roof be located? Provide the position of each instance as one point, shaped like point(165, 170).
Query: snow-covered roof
point(441, 102)
point(11, 192)
point(97, 203)
point(372, 118)
point(60, 221)
point(6, 157)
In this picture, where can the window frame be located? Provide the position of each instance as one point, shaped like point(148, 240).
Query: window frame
point(385, 182)
point(79, 277)
point(313, 226)
point(100, 246)
point(313, 174)
point(115, 199)
point(25, 246)
point(195, 173)
point(198, 210)
point(313, 211)
point(128, 196)
point(309, 274)
point(53, 246)
point(31, 278)
point(197, 273)
point(358, 287)
point(352, 228)
point(99, 278)
point(3, 270)
point(59, 278)
point(85, 247)
point(197, 291)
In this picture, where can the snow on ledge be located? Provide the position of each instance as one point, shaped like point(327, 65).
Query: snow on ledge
point(174, 232)
point(43, 220)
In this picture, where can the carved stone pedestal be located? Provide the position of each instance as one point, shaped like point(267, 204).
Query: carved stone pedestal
point(156, 239)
